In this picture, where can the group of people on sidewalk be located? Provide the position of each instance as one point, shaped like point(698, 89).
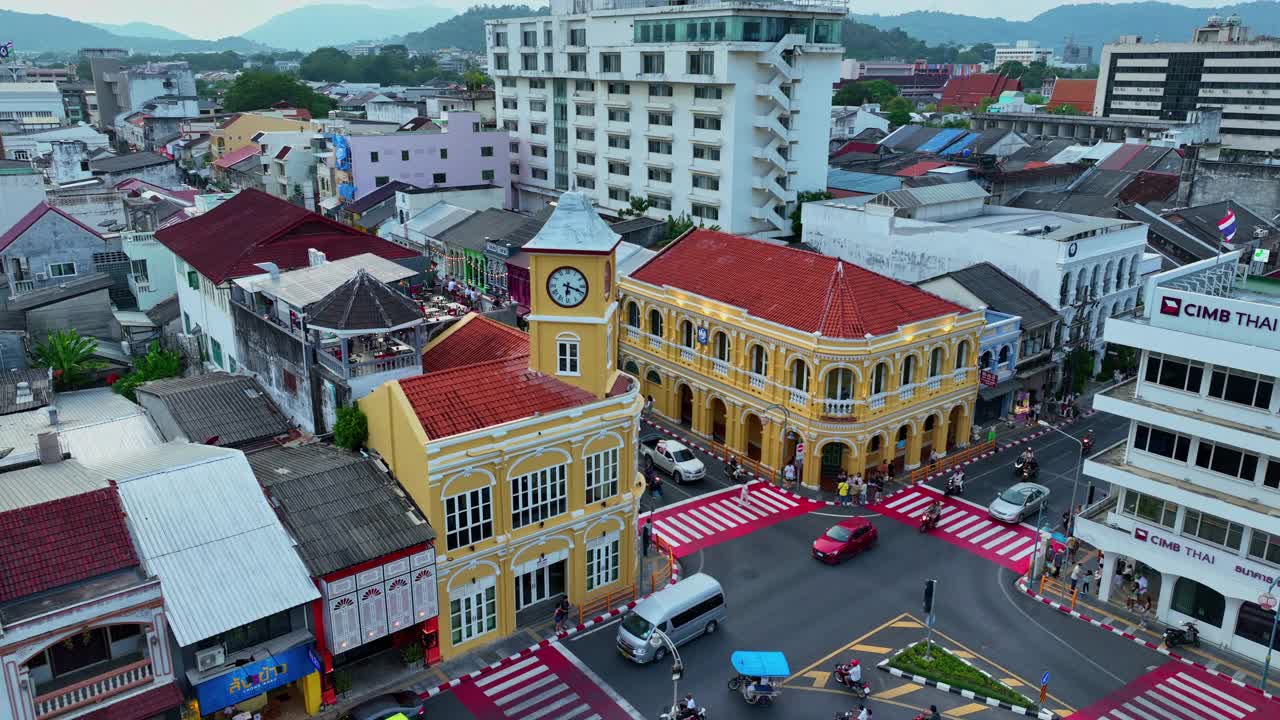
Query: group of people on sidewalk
point(851, 490)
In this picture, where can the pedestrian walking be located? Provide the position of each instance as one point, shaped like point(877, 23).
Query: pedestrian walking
point(1143, 608)
point(1073, 546)
point(1141, 582)
point(862, 490)
point(842, 491)
point(1076, 572)
point(1066, 522)
point(744, 495)
point(646, 537)
point(1093, 578)
point(562, 614)
point(789, 475)
point(648, 407)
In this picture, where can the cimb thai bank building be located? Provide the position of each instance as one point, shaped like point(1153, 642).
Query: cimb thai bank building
point(1195, 487)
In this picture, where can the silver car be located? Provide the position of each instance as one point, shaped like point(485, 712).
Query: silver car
point(1018, 502)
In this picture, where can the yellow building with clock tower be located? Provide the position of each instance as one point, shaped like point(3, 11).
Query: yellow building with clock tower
point(521, 449)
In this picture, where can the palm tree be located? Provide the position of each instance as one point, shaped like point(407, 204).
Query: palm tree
point(69, 355)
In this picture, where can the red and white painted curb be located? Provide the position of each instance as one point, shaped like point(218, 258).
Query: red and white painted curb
point(597, 620)
point(1066, 610)
point(685, 439)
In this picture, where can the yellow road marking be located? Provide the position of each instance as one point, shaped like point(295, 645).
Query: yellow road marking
point(898, 691)
point(845, 648)
point(969, 709)
point(962, 654)
point(907, 624)
point(820, 677)
point(1011, 681)
point(877, 649)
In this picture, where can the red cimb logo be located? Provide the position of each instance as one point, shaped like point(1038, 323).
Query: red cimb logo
point(1170, 305)
point(1139, 534)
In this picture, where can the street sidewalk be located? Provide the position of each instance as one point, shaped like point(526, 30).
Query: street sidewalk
point(385, 673)
point(1114, 617)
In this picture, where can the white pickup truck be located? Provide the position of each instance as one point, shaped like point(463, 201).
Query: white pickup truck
point(673, 458)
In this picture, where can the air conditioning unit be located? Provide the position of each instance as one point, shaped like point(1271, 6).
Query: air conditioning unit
point(211, 658)
point(42, 276)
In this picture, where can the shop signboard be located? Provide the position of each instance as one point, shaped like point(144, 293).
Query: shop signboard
point(497, 250)
point(1204, 556)
point(251, 680)
point(1217, 317)
point(988, 378)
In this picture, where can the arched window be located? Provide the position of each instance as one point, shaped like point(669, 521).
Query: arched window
point(1004, 355)
point(878, 378)
point(908, 370)
point(962, 354)
point(800, 375)
point(1062, 290)
point(840, 384)
point(1122, 274)
point(935, 362)
point(653, 377)
point(1095, 282)
point(721, 346)
point(1133, 271)
point(1106, 278)
point(759, 360)
point(985, 360)
point(655, 322)
point(631, 368)
point(686, 333)
point(633, 315)
point(1082, 283)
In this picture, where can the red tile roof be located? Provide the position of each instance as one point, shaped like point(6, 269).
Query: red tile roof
point(967, 92)
point(1076, 93)
point(838, 193)
point(140, 707)
point(236, 156)
point(920, 168)
point(856, 146)
point(26, 221)
point(1149, 186)
point(791, 287)
point(477, 339)
point(254, 227)
point(63, 541)
point(471, 397)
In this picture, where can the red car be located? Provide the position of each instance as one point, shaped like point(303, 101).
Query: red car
point(845, 539)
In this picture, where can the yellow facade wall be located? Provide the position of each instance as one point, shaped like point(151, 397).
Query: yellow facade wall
point(240, 133)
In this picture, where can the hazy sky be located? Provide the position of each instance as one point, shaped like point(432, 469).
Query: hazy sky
point(219, 18)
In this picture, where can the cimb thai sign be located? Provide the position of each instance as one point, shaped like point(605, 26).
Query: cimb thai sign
point(1221, 318)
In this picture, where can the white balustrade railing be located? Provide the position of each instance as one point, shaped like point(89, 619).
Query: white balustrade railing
point(756, 381)
point(655, 342)
point(906, 392)
point(720, 366)
point(687, 354)
point(799, 397)
point(92, 691)
point(933, 383)
point(876, 402)
point(839, 408)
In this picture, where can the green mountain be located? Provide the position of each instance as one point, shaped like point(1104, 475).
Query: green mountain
point(313, 26)
point(466, 31)
point(1093, 24)
point(51, 33)
point(143, 30)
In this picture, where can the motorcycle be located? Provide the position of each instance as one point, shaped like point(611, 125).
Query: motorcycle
point(1087, 443)
point(736, 474)
point(1188, 634)
point(860, 689)
point(929, 521)
point(955, 485)
point(678, 714)
point(1025, 470)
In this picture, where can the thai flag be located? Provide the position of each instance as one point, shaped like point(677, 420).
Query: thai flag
point(1227, 226)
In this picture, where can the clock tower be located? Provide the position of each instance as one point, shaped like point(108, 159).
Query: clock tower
point(572, 284)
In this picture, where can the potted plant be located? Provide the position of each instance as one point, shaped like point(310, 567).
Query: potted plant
point(411, 655)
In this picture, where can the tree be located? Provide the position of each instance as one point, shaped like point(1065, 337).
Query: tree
point(474, 79)
point(255, 90)
point(352, 428)
point(157, 364)
point(325, 64)
point(639, 206)
point(865, 91)
point(1034, 99)
point(69, 355)
point(985, 103)
point(899, 110)
point(802, 198)
point(1065, 109)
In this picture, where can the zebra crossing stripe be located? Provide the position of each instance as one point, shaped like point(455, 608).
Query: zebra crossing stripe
point(515, 667)
point(737, 513)
point(905, 509)
point(680, 524)
point(899, 501)
point(1027, 551)
point(541, 697)
point(707, 519)
point(966, 518)
point(1013, 545)
point(972, 529)
point(985, 534)
point(776, 496)
point(1246, 707)
point(721, 514)
point(517, 693)
point(666, 532)
point(769, 502)
point(1000, 540)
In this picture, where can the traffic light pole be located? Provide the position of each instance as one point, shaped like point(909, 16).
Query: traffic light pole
point(930, 586)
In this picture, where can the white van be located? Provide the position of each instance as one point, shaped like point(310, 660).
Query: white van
point(692, 607)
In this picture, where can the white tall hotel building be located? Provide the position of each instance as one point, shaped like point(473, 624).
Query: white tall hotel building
point(715, 108)
point(1195, 489)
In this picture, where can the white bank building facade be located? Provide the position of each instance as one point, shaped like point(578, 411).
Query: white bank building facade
point(1195, 488)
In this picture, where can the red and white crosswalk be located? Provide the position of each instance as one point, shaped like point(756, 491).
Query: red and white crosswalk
point(1177, 691)
point(964, 525)
point(550, 684)
point(716, 517)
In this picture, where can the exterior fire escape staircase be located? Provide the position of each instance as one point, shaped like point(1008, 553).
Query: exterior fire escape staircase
point(774, 121)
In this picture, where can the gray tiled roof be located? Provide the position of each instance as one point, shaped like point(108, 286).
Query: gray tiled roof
point(340, 507)
point(165, 311)
point(1004, 294)
point(363, 303)
point(132, 161)
point(37, 380)
point(493, 223)
point(232, 408)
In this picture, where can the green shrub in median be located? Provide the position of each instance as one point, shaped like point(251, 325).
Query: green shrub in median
point(947, 668)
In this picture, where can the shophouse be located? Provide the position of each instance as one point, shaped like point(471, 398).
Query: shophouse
point(762, 348)
point(520, 448)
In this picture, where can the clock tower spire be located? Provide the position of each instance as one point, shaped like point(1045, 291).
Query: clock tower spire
point(572, 266)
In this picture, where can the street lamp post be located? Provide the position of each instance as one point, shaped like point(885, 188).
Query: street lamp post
point(1075, 485)
point(1266, 666)
point(657, 639)
point(1036, 560)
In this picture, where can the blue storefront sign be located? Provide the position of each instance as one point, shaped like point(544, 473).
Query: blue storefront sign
point(255, 678)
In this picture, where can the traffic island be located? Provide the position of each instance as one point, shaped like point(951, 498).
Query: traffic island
point(950, 673)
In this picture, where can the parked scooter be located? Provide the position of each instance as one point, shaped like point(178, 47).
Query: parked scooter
point(955, 484)
point(1188, 634)
point(859, 689)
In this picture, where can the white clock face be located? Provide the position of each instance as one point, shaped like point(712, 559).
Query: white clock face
point(567, 287)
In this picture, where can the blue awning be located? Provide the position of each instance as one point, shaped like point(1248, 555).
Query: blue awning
point(761, 664)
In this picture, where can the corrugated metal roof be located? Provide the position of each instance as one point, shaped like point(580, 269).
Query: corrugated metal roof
point(308, 285)
point(205, 529)
point(44, 483)
point(935, 194)
point(944, 138)
point(632, 256)
point(861, 182)
point(97, 424)
point(438, 218)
